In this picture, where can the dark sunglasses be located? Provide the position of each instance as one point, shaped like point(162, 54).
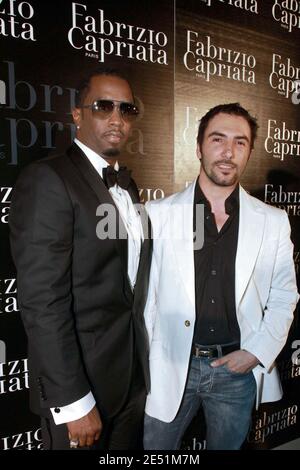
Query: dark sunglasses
point(104, 109)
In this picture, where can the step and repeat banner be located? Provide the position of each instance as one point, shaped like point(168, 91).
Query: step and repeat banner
point(182, 57)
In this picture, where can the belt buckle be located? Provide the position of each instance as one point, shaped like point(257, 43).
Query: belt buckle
point(203, 352)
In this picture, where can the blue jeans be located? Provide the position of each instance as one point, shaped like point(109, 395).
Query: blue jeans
point(227, 399)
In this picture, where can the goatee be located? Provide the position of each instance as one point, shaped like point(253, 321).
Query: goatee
point(111, 152)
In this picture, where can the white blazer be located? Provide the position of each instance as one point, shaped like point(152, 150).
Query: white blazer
point(265, 295)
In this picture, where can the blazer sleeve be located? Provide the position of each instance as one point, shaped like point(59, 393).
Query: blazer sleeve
point(42, 229)
point(268, 341)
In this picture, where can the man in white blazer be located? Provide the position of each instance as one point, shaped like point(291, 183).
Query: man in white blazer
point(217, 317)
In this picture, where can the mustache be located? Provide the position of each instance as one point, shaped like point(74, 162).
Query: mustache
point(116, 132)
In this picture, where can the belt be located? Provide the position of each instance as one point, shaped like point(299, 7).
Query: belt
point(217, 350)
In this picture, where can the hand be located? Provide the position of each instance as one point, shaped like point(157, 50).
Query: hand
point(86, 430)
point(240, 361)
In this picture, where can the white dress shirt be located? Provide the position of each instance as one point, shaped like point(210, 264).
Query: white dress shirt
point(133, 225)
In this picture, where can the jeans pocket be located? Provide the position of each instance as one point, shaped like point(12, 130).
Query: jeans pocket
point(233, 372)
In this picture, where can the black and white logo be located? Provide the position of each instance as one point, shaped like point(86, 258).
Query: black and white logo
point(287, 14)
point(15, 20)
point(5, 194)
point(208, 60)
point(282, 142)
point(13, 376)
point(278, 196)
point(269, 424)
point(247, 5)
point(284, 76)
point(8, 296)
point(28, 440)
point(100, 37)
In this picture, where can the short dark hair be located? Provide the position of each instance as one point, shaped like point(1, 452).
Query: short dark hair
point(84, 85)
point(231, 108)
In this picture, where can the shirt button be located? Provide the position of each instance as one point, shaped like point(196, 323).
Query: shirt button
point(214, 272)
point(187, 323)
point(56, 410)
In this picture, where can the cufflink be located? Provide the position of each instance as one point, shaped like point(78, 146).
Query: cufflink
point(56, 410)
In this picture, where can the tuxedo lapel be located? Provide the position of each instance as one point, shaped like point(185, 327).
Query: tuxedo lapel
point(146, 226)
point(142, 278)
point(97, 185)
point(251, 230)
point(181, 223)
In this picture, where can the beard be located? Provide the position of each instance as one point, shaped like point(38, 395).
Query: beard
point(220, 180)
point(111, 152)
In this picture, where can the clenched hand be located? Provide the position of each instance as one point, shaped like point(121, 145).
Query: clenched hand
point(86, 430)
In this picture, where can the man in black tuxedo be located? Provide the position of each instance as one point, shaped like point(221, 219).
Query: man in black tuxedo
point(82, 297)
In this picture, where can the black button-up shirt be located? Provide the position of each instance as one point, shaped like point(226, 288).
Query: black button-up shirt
point(216, 321)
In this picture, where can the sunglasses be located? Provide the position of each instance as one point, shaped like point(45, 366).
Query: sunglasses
point(104, 109)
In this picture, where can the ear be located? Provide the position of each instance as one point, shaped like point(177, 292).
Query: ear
point(76, 113)
point(199, 156)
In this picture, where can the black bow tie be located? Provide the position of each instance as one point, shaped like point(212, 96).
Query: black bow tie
point(112, 176)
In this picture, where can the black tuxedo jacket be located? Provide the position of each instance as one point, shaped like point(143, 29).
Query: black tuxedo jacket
point(84, 324)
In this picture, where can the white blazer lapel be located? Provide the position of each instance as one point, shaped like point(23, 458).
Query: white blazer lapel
point(181, 212)
point(251, 230)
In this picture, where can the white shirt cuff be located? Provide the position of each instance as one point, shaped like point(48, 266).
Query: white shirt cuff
point(76, 410)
